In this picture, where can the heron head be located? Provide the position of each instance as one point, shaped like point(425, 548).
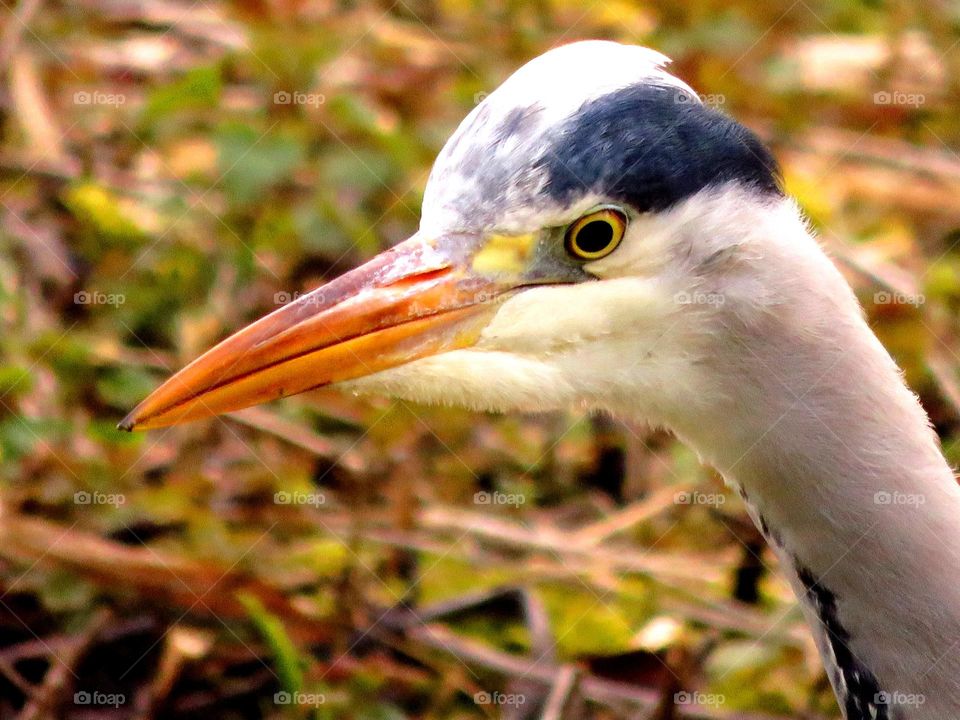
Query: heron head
point(573, 244)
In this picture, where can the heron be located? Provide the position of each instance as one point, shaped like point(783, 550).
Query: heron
point(594, 235)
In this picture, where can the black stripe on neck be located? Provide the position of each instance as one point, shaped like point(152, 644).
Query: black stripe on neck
point(858, 689)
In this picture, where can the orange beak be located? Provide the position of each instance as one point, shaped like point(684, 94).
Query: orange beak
point(409, 302)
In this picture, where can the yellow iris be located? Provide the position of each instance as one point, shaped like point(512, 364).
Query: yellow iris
point(596, 235)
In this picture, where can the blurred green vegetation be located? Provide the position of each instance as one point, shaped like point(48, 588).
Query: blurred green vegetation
point(169, 172)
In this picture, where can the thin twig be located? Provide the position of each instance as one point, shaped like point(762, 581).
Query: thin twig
point(628, 517)
point(301, 437)
point(10, 672)
point(46, 699)
point(561, 693)
point(596, 689)
point(13, 32)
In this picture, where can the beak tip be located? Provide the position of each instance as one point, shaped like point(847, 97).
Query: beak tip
point(129, 423)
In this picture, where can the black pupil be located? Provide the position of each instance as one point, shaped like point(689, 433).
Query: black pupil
point(595, 236)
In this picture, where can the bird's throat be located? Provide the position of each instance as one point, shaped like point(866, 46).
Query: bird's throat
point(841, 471)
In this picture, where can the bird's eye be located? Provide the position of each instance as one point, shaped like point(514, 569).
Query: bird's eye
point(596, 235)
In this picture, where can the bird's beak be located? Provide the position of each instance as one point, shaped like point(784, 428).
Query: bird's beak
point(420, 298)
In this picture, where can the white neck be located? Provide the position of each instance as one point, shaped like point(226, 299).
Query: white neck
point(842, 472)
point(785, 390)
